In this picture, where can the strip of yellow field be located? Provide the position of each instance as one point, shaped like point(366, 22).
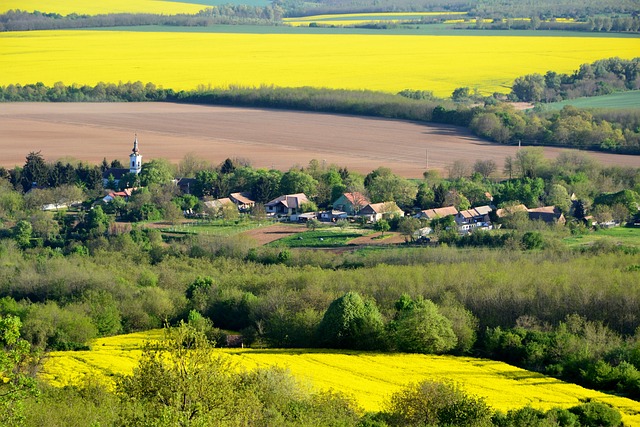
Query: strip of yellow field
point(66, 7)
point(361, 18)
point(369, 377)
point(378, 62)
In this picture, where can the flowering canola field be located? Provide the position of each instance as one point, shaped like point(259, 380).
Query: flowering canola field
point(369, 377)
point(66, 7)
point(378, 62)
point(364, 18)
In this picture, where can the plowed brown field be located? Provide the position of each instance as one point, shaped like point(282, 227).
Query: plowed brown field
point(266, 138)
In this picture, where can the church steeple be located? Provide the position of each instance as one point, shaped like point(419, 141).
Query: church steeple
point(135, 158)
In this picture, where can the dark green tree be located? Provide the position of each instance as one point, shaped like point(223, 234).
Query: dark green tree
point(420, 328)
point(35, 171)
point(351, 322)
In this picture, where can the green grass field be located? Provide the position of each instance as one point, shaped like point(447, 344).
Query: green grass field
point(321, 238)
point(370, 378)
point(621, 236)
point(218, 227)
point(621, 100)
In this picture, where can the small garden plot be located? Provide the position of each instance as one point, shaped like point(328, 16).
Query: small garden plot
point(215, 227)
point(623, 236)
point(325, 238)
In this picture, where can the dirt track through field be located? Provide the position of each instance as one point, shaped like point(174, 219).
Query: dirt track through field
point(266, 138)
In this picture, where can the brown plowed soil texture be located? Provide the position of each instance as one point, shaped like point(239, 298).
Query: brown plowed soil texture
point(264, 235)
point(266, 138)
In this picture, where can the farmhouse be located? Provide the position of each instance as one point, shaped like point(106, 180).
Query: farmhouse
point(430, 214)
point(243, 201)
point(125, 194)
point(351, 203)
point(509, 210)
point(287, 205)
point(332, 215)
point(548, 214)
point(473, 218)
point(376, 211)
point(218, 203)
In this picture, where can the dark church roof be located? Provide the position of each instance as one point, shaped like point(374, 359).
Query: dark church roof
point(117, 173)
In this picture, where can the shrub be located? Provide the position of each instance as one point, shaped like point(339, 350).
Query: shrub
point(420, 328)
point(351, 322)
point(436, 403)
point(597, 414)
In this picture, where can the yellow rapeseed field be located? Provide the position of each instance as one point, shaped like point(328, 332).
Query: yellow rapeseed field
point(66, 7)
point(362, 18)
point(369, 377)
point(378, 62)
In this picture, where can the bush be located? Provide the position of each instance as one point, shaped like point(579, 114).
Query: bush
point(351, 322)
point(597, 414)
point(436, 403)
point(420, 328)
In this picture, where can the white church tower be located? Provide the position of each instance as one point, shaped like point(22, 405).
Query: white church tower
point(135, 158)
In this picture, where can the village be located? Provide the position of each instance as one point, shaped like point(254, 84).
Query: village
point(453, 214)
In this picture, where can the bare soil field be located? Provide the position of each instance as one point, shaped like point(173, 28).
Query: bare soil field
point(264, 235)
point(266, 138)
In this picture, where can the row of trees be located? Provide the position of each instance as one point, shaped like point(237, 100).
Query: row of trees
point(545, 9)
point(598, 78)
point(228, 14)
point(615, 131)
point(598, 23)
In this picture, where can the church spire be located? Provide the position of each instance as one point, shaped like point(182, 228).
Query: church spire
point(135, 144)
point(135, 163)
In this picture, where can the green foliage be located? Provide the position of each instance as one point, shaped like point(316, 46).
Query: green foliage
point(597, 414)
point(382, 225)
point(22, 233)
point(437, 403)
point(351, 322)
point(104, 312)
point(52, 327)
point(295, 181)
point(463, 323)
point(598, 78)
point(384, 186)
point(16, 365)
point(88, 403)
point(419, 327)
point(627, 198)
point(181, 381)
point(532, 240)
point(407, 226)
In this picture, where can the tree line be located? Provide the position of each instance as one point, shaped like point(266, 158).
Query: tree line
point(613, 131)
point(598, 78)
point(497, 10)
point(229, 14)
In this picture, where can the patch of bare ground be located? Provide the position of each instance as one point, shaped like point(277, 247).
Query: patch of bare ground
point(377, 239)
point(266, 138)
point(521, 106)
point(264, 235)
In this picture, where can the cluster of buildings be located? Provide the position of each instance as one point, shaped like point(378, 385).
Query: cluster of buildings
point(351, 205)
